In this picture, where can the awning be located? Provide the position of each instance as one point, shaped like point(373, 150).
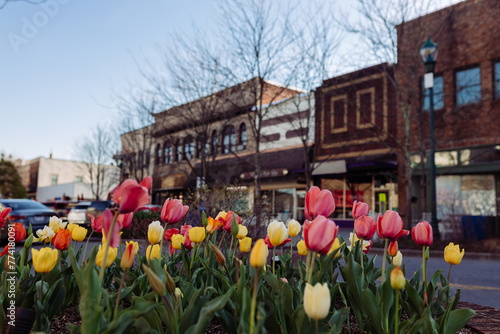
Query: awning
point(329, 167)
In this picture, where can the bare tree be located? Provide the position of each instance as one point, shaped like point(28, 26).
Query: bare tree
point(96, 151)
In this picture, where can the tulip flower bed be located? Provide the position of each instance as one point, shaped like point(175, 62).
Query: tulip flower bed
point(193, 277)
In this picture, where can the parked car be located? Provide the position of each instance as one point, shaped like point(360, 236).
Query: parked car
point(150, 208)
point(26, 211)
point(80, 213)
point(61, 208)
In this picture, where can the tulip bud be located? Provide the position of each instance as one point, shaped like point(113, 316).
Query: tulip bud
point(178, 294)
point(398, 259)
point(258, 256)
point(154, 280)
point(317, 301)
point(294, 228)
point(398, 280)
point(170, 284)
point(452, 254)
point(245, 244)
point(29, 241)
point(301, 248)
point(128, 256)
point(393, 248)
point(221, 259)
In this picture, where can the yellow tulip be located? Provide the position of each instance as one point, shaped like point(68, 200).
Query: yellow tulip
point(153, 251)
point(353, 239)
point(222, 215)
point(128, 257)
point(177, 241)
point(56, 223)
point(245, 244)
point(452, 254)
point(136, 245)
point(44, 260)
point(178, 294)
point(335, 245)
point(45, 235)
point(317, 301)
point(258, 256)
point(112, 253)
point(78, 233)
point(398, 280)
point(70, 227)
point(242, 232)
point(293, 228)
point(155, 232)
point(301, 247)
point(398, 259)
point(277, 232)
point(197, 234)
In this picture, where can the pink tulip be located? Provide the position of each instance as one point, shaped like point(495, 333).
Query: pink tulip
point(393, 248)
point(318, 202)
point(96, 223)
point(131, 196)
point(107, 219)
point(422, 234)
point(3, 214)
point(390, 226)
point(187, 242)
point(173, 211)
point(365, 227)
point(320, 234)
point(146, 183)
point(359, 209)
point(185, 229)
point(125, 219)
point(228, 221)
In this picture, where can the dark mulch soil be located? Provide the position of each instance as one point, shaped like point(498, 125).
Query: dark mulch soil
point(70, 316)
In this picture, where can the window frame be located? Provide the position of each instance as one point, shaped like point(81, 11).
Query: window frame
point(242, 142)
point(461, 89)
point(188, 146)
point(229, 133)
point(167, 155)
point(425, 94)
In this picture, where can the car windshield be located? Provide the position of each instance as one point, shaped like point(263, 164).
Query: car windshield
point(81, 207)
point(100, 206)
point(24, 205)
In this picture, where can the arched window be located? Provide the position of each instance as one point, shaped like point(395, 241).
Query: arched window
point(158, 154)
point(228, 139)
point(200, 142)
point(242, 140)
point(214, 143)
point(178, 150)
point(167, 148)
point(188, 148)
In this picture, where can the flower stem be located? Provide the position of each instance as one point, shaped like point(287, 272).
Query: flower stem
point(274, 255)
point(449, 271)
point(254, 300)
point(85, 250)
point(106, 249)
point(316, 326)
point(424, 274)
point(161, 241)
point(396, 317)
point(383, 260)
point(119, 292)
point(361, 252)
point(41, 289)
point(311, 268)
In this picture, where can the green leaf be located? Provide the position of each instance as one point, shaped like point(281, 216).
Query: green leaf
point(457, 320)
point(337, 320)
point(90, 302)
point(373, 310)
point(414, 299)
point(126, 317)
point(208, 311)
point(76, 269)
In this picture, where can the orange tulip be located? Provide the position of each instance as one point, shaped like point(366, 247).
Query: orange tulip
point(393, 248)
point(62, 239)
point(20, 232)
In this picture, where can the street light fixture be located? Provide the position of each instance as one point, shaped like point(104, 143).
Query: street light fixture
point(429, 52)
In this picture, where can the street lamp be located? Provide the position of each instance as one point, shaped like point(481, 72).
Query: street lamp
point(429, 52)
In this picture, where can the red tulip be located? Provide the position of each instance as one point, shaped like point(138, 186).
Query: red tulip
point(107, 220)
point(367, 248)
point(131, 196)
point(287, 240)
point(318, 202)
point(187, 242)
point(393, 248)
point(365, 227)
point(268, 242)
point(146, 183)
point(359, 209)
point(185, 229)
point(173, 211)
point(20, 232)
point(320, 234)
point(125, 219)
point(62, 239)
point(5, 250)
point(169, 233)
point(422, 234)
point(96, 224)
point(4, 213)
point(228, 221)
point(390, 226)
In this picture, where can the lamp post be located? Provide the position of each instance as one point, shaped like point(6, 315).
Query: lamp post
point(429, 52)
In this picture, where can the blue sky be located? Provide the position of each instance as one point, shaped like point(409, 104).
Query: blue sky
point(60, 64)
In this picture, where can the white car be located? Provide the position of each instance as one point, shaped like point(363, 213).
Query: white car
point(78, 215)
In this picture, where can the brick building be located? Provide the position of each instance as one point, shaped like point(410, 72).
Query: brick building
point(355, 139)
point(467, 107)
